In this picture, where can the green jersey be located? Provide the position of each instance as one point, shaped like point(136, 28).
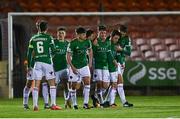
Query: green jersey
point(59, 56)
point(100, 53)
point(41, 45)
point(78, 49)
point(125, 43)
point(111, 58)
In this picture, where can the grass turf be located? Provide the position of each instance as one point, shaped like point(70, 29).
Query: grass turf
point(144, 107)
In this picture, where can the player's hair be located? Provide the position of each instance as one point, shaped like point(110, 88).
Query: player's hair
point(115, 32)
point(80, 30)
point(61, 28)
point(89, 32)
point(123, 28)
point(102, 28)
point(42, 25)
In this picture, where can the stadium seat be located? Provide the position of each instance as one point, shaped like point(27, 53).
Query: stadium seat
point(140, 41)
point(49, 7)
point(177, 54)
point(35, 7)
point(173, 5)
point(153, 20)
point(55, 20)
point(159, 5)
point(155, 41)
point(135, 54)
point(174, 47)
point(133, 5)
point(149, 54)
point(159, 47)
point(164, 55)
point(137, 59)
point(146, 5)
point(169, 41)
point(145, 48)
point(63, 6)
point(82, 20)
point(118, 5)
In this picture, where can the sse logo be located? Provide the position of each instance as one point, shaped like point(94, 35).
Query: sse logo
point(140, 71)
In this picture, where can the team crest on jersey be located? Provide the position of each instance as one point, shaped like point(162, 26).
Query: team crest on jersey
point(51, 72)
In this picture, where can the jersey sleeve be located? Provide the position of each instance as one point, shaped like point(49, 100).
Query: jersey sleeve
point(89, 44)
point(70, 47)
point(52, 45)
point(128, 47)
point(29, 53)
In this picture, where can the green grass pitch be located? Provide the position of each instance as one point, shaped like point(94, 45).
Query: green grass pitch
point(144, 107)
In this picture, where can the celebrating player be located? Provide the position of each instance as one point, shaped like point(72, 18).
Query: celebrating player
point(123, 50)
point(60, 63)
point(101, 48)
point(42, 44)
point(77, 59)
point(112, 66)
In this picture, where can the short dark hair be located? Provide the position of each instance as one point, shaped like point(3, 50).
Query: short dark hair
point(61, 28)
point(42, 25)
point(123, 28)
point(89, 32)
point(102, 28)
point(80, 30)
point(115, 32)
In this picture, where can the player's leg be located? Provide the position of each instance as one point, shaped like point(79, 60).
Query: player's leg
point(65, 85)
point(85, 73)
point(120, 88)
point(105, 86)
point(45, 93)
point(113, 79)
point(26, 92)
point(37, 74)
point(93, 90)
point(74, 84)
point(50, 76)
point(98, 78)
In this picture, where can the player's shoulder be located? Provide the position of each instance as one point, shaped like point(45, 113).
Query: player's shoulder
point(74, 40)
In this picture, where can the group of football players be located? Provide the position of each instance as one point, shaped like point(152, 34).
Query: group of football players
point(95, 60)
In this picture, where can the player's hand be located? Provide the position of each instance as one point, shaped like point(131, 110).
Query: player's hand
point(115, 63)
point(75, 71)
point(119, 48)
point(29, 70)
point(90, 67)
point(95, 42)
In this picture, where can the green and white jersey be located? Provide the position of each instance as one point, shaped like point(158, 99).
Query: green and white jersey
point(78, 49)
point(100, 53)
point(59, 56)
point(111, 58)
point(41, 45)
point(125, 43)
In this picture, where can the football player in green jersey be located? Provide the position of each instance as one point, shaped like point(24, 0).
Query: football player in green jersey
point(60, 63)
point(80, 65)
point(101, 48)
point(112, 66)
point(41, 44)
point(123, 50)
point(30, 84)
point(91, 35)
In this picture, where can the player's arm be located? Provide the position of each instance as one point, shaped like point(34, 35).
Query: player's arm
point(127, 49)
point(90, 54)
point(68, 58)
point(52, 46)
point(111, 58)
point(29, 54)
